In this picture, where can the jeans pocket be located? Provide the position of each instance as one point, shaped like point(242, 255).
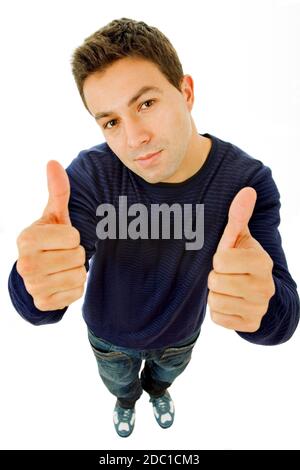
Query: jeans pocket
point(111, 363)
point(98, 344)
point(108, 355)
point(177, 355)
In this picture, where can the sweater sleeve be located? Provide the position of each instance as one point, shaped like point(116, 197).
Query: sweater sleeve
point(83, 215)
point(282, 317)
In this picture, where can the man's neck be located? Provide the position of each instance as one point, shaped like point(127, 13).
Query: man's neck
point(198, 153)
point(196, 156)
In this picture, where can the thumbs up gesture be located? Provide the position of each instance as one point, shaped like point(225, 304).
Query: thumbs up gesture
point(51, 259)
point(241, 282)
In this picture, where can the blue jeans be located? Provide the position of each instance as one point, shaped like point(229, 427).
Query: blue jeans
point(119, 367)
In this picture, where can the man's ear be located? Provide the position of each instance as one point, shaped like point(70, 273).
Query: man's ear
point(187, 90)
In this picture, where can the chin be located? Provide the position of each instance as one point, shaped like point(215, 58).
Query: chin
point(151, 180)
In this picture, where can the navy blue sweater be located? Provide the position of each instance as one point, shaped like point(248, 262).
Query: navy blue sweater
point(150, 293)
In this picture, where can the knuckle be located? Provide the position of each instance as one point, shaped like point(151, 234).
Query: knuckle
point(213, 316)
point(42, 304)
point(211, 280)
point(32, 287)
point(267, 293)
point(261, 297)
point(83, 274)
point(19, 266)
point(81, 251)
point(49, 304)
point(77, 278)
point(209, 297)
point(26, 239)
point(221, 320)
point(215, 260)
point(266, 262)
point(74, 236)
point(25, 265)
point(78, 293)
point(270, 261)
point(272, 289)
point(216, 302)
point(260, 312)
point(252, 327)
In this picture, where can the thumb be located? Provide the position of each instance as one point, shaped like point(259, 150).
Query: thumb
point(56, 210)
point(240, 212)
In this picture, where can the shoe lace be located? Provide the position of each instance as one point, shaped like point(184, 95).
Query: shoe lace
point(126, 415)
point(162, 403)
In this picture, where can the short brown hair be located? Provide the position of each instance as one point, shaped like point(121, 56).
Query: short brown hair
point(125, 38)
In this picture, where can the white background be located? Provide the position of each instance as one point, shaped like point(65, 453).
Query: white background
point(244, 59)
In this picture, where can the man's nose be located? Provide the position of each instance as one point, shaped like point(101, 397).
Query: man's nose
point(136, 134)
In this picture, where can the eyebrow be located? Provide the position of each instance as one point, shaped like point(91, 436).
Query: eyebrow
point(132, 100)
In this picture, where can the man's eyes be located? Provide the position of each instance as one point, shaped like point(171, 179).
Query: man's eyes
point(105, 125)
point(114, 120)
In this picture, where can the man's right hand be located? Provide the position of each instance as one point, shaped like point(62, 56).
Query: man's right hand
point(51, 260)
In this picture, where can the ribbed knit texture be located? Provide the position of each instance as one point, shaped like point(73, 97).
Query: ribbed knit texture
point(147, 293)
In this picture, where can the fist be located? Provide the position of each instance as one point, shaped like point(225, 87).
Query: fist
point(241, 283)
point(51, 260)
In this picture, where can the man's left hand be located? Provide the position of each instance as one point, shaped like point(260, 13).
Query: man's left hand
point(241, 282)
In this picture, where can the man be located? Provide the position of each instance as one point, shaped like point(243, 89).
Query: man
point(147, 290)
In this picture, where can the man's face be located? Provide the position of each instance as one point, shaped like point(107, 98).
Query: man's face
point(159, 120)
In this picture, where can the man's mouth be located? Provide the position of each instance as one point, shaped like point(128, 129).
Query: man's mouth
point(148, 159)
